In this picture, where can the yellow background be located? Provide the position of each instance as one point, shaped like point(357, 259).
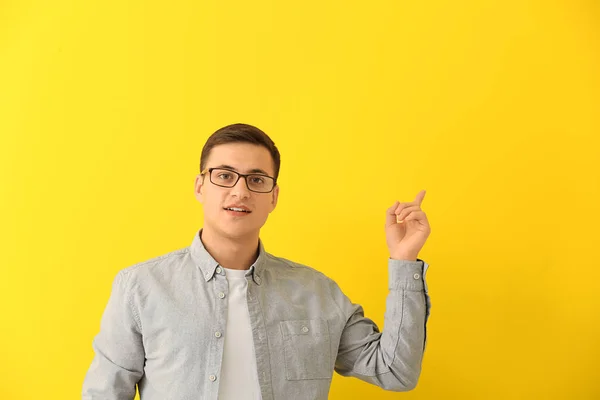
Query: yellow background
point(491, 106)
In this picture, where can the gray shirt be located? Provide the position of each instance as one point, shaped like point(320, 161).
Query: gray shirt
point(164, 325)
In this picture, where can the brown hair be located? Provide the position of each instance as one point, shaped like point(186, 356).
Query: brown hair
point(240, 133)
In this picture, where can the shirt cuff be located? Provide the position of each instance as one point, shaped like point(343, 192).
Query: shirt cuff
point(407, 275)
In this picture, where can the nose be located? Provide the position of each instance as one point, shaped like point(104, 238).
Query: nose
point(240, 189)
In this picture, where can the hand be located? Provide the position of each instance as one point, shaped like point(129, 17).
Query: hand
point(406, 229)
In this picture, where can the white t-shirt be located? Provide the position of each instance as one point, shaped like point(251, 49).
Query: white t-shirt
point(239, 377)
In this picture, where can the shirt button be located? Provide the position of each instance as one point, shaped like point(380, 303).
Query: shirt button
point(416, 276)
point(212, 378)
point(304, 329)
point(221, 295)
point(219, 269)
point(207, 276)
point(218, 334)
point(258, 280)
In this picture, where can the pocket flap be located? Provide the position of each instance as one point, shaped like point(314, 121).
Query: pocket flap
point(304, 327)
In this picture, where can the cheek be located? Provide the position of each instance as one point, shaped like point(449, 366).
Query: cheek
point(213, 201)
point(264, 208)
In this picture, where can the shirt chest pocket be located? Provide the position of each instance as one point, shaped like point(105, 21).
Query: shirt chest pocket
point(307, 349)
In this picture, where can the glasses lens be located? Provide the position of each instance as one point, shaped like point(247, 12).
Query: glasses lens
point(260, 183)
point(223, 177)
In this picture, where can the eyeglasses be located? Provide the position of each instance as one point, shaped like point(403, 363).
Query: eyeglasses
point(254, 182)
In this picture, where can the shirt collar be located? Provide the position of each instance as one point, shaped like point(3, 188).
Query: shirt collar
point(208, 265)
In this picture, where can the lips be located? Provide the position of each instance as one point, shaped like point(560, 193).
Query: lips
point(240, 209)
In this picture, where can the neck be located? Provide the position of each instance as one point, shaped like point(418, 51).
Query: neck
point(232, 253)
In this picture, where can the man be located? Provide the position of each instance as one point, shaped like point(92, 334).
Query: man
point(223, 319)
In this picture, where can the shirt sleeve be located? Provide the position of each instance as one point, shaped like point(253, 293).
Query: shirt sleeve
point(390, 359)
point(119, 354)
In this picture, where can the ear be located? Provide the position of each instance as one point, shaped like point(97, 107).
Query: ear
point(274, 197)
point(198, 186)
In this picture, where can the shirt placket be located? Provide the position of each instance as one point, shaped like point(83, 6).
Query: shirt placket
point(220, 292)
point(259, 336)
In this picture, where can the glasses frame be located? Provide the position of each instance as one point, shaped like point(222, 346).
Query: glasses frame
point(245, 176)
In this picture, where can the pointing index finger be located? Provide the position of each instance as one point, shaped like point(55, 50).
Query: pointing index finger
point(420, 196)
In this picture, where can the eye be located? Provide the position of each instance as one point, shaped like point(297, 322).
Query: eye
point(257, 180)
point(224, 176)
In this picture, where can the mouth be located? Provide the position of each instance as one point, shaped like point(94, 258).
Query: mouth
point(237, 211)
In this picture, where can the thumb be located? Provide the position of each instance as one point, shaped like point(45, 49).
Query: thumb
point(390, 217)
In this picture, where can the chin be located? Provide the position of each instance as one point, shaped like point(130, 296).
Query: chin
point(228, 228)
point(237, 231)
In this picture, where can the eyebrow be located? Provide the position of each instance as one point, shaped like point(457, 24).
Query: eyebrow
point(251, 171)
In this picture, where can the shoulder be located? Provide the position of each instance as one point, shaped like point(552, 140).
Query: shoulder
point(284, 268)
point(292, 275)
point(158, 266)
point(286, 265)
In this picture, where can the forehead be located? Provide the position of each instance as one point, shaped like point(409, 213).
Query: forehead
point(243, 157)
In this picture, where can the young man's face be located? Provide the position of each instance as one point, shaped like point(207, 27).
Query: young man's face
point(244, 158)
